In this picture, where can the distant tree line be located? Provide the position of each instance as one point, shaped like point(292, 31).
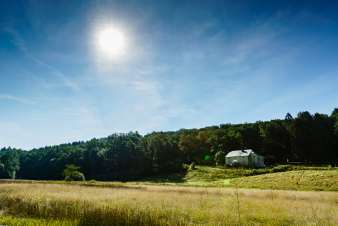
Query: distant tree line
point(307, 138)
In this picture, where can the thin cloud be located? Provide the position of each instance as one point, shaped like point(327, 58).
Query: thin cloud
point(20, 43)
point(16, 99)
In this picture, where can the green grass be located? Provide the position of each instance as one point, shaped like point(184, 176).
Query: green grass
point(22, 221)
point(307, 180)
point(294, 178)
point(203, 176)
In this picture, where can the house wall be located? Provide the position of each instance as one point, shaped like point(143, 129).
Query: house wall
point(253, 160)
point(242, 160)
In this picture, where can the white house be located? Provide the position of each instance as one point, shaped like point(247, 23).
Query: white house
point(244, 158)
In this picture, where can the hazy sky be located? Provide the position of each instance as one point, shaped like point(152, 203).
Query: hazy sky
point(187, 64)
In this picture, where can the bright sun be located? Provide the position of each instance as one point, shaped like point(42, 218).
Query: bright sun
point(111, 42)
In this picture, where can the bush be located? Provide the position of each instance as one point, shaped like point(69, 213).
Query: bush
point(259, 171)
point(75, 176)
point(281, 168)
point(72, 173)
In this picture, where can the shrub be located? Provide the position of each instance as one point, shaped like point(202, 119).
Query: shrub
point(280, 168)
point(259, 171)
point(72, 173)
point(75, 176)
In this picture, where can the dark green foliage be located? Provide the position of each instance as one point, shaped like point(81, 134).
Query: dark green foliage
point(280, 168)
point(72, 173)
point(75, 176)
point(2, 170)
point(276, 142)
point(220, 158)
point(162, 152)
point(307, 138)
point(312, 138)
point(9, 162)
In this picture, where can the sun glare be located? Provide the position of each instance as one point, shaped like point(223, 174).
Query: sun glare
point(111, 42)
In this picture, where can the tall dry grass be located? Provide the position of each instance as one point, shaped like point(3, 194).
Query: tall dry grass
point(161, 205)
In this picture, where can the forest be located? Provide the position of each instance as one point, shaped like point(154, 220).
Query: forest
point(307, 139)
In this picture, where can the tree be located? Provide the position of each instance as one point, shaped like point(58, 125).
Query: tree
point(276, 142)
point(10, 161)
point(91, 158)
point(232, 139)
point(72, 173)
point(162, 150)
point(312, 138)
point(334, 117)
point(301, 133)
point(122, 156)
point(2, 170)
point(220, 158)
point(288, 117)
point(251, 137)
point(189, 145)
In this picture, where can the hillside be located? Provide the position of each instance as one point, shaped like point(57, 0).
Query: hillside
point(296, 178)
point(317, 180)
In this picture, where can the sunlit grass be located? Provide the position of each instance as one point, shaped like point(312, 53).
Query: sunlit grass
point(21, 221)
point(306, 180)
point(166, 205)
point(295, 178)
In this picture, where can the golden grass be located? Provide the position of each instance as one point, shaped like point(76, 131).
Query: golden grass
point(299, 178)
point(167, 205)
point(303, 179)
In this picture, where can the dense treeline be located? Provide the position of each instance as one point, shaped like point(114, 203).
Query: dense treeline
point(306, 138)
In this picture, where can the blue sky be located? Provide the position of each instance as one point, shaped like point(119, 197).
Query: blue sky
point(189, 64)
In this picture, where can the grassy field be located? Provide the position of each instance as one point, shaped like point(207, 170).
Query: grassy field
point(294, 178)
point(61, 204)
point(305, 180)
point(205, 196)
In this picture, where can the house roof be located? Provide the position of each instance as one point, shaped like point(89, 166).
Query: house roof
point(237, 153)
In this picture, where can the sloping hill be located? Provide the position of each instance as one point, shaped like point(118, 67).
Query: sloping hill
point(203, 176)
point(318, 180)
point(295, 178)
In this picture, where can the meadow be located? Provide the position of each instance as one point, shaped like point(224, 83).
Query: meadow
point(59, 204)
point(176, 202)
point(282, 177)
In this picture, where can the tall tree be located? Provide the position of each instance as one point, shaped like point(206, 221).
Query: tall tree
point(162, 149)
point(10, 161)
point(276, 142)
